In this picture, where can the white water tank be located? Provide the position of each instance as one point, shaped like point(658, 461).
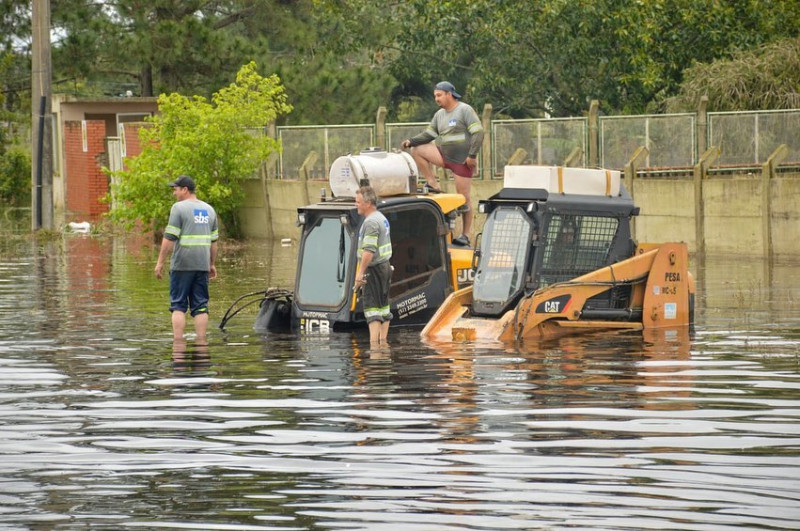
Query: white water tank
point(564, 180)
point(388, 173)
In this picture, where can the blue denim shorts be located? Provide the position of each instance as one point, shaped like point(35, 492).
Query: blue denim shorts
point(188, 290)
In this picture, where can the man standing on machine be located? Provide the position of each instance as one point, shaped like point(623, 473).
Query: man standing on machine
point(458, 134)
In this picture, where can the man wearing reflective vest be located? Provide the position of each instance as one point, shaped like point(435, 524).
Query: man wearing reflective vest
point(374, 274)
point(191, 235)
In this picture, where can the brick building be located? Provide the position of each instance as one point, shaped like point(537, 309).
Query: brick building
point(89, 135)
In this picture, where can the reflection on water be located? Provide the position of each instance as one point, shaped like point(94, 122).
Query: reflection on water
point(106, 424)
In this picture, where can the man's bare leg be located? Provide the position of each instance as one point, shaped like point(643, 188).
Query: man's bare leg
point(374, 333)
point(178, 324)
point(463, 186)
point(384, 332)
point(201, 327)
point(424, 156)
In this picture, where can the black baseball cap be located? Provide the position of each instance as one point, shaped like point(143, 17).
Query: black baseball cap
point(184, 181)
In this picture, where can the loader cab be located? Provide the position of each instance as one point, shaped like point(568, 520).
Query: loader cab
point(426, 266)
point(324, 296)
point(325, 259)
point(533, 238)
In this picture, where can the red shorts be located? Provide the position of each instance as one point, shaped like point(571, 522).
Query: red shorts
point(462, 170)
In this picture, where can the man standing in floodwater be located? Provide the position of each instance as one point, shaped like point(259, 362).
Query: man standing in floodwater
point(374, 271)
point(191, 235)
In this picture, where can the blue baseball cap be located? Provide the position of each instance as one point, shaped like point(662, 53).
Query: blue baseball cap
point(448, 87)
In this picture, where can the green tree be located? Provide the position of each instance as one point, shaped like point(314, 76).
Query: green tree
point(767, 77)
point(15, 69)
point(334, 95)
point(220, 143)
point(152, 46)
point(554, 56)
point(15, 174)
point(341, 59)
point(15, 162)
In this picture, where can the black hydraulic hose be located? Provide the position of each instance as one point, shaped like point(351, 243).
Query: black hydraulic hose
point(228, 316)
point(272, 293)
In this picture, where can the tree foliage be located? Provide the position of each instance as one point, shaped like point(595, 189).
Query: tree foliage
point(219, 143)
point(767, 77)
point(154, 46)
point(15, 175)
point(341, 59)
point(555, 56)
point(15, 162)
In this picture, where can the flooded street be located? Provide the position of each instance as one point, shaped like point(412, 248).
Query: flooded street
point(105, 425)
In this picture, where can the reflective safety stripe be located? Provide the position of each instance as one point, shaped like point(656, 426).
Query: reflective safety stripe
point(431, 131)
point(176, 231)
point(475, 128)
point(454, 138)
point(376, 312)
point(370, 241)
point(385, 251)
point(202, 240)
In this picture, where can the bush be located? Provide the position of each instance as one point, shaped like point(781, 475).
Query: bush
point(15, 177)
point(211, 141)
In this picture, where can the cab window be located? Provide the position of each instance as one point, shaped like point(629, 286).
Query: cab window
point(416, 247)
point(324, 264)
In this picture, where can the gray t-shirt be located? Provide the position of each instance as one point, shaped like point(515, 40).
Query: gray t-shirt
point(458, 132)
point(192, 226)
point(375, 237)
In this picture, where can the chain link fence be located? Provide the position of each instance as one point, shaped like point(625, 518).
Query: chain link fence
point(542, 142)
point(744, 138)
point(669, 138)
point(309, 151)
point(749, 138)
point(397, 132)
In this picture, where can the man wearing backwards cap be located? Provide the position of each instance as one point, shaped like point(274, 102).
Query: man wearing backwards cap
point(458, 135)
point(192, 234)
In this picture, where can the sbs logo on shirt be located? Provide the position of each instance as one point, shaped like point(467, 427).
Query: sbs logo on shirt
point(201, 216)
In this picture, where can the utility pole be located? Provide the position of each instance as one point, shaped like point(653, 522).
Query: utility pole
point(41, 121)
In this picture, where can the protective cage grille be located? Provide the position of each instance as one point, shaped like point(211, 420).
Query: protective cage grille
point(576, 245)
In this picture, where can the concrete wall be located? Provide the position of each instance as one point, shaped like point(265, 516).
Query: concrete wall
point(285, 196)
point(785, 219)
point(733, 221)
point(69, 109)
point(667, 210)
point(733, 216)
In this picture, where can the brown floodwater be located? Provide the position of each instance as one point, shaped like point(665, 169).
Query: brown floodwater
point(105, 425)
